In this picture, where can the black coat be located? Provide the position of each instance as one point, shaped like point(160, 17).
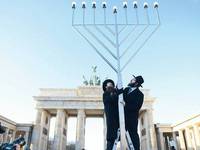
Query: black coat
point(110, 101)
point(134, 101)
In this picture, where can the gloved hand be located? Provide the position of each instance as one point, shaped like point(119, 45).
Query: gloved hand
point(120, 91)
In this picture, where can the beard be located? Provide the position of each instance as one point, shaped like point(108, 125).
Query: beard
point(131, 84)
point(110, 89)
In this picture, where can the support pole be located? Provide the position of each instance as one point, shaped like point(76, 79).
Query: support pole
point(123, 144)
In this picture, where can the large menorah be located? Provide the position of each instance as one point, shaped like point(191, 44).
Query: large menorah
point(109, 37)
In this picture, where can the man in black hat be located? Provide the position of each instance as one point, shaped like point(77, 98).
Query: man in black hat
point(110, 100)
point(133, 98)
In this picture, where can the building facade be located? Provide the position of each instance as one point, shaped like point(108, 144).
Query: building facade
point(14, 130)
point(187, 133)
point(184, 135)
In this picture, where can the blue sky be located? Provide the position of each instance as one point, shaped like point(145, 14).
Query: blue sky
point(39, 48)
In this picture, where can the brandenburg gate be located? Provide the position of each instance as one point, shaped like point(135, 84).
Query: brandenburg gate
point(84, 101)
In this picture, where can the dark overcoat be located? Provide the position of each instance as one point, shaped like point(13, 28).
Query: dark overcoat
point(110, 100)
point(134, 101)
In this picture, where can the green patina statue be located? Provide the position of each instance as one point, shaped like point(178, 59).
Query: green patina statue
point(94, 79)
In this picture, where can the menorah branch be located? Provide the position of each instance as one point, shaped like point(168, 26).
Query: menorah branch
point(105, 36)
point(96, 50)
point(142, 45)
point(100, 42)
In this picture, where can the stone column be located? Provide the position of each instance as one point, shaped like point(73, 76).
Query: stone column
point(181, 140)
point(41, 130)
point(80, 131)
point(60, 136)
point(151, 130)
point(193, 139)
point(104, 130)
point(13, 136)
point(162, 141)
point(146, 125)
point(45, 123)
point(197, 136)
point(1, 138)
point(36, 130)
point(188, 139)
point(143, 131)
point(5, 135)
point(175, 140)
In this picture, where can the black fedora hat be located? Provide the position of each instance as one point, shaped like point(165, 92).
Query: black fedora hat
point(105, 83)
point(139, 80)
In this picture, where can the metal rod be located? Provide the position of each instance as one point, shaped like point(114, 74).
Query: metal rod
point(136, 13)
point(123, 143)
point(83, 15)
point(147, 15)
point(100, 42)
point(73, 17)
point(109, 29)
point(97, 51)
point(94, 16)
point(102, 33)
point(130, 24)
point(105, 23)
point(137, 23)
point(122, 29)
point(104, 13)
point(158, 15)
point(130, 144)
point(127, 36)
point(126, 17)
point(142, 45)
point(133, 42)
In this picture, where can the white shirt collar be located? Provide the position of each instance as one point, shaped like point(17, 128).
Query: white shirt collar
point(131, 89)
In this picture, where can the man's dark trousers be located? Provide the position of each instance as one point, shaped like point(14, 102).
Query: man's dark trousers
point(110, 145)
point(131, 126)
